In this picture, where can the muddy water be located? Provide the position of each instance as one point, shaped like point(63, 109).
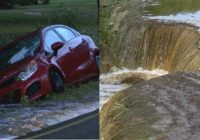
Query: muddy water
point(110, 82)
point(165, 44)
point(184, 11)
point(169, 41)
point(176, 10)
point(16, 120)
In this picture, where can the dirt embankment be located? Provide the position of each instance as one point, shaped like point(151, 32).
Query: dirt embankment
point(165, 107)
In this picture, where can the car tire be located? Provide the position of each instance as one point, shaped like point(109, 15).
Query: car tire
point(56, 82)
point(97, 62)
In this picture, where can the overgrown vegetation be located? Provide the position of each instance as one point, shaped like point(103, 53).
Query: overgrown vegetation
point(72, 93)
point(112, 13)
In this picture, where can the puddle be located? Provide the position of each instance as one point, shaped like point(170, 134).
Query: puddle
point(32, 13)
point(16, 120)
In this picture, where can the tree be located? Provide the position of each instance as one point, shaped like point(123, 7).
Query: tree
point(24, 2)
point(8, 4)
point(35, 2)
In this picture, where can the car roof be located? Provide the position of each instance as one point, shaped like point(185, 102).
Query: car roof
point(35, 33)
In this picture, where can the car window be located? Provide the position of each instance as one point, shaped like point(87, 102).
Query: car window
point(50, 38)
point(66, 33)
point(21, 50)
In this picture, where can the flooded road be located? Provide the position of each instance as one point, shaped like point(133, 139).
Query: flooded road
point(17, 120)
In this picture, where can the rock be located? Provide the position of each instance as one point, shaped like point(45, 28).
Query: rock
point(114, 69)
point(166, 107)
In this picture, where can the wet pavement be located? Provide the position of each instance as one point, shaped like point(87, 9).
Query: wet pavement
point(82, 127)
point(17, 120)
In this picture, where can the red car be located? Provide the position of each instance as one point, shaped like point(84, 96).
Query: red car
point(46, 60)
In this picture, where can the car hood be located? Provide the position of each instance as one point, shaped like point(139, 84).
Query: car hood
point(14, 69)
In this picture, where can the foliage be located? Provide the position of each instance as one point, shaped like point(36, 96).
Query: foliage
point(24, 2)
point(63, 14)
point(72, 93)
point(121, 109)
point(45, 1)
point(11, 94)
point(112, 14)
point(7, 4)
point(29, 2)
point(24, 101)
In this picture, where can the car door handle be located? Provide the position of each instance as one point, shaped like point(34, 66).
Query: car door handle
point(71, 49)
point(83, 40)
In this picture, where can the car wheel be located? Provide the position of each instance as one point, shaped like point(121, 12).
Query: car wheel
point(56, 82)
point(97, 62)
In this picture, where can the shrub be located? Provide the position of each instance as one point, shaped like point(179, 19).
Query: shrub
point(24, 2)
point(45, 1)
point(8, 4)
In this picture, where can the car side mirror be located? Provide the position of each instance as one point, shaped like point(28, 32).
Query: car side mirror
point(55, 47)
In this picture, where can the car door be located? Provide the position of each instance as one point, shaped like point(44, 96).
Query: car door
point(80, 48)
point(65, 58)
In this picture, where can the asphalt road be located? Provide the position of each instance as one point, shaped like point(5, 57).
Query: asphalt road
point(82, 127)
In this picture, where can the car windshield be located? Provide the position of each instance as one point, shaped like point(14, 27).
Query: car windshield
point(19, 51)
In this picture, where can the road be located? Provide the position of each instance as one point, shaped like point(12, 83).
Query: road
point(82, 127)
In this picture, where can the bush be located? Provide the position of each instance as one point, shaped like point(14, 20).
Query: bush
point(45, 1)
point(35, 2)
point(24, 2)
point(63, 14)
point(8, 4)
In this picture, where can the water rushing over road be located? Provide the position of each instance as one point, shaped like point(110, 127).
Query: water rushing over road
point(16, 120)
point(110, 82)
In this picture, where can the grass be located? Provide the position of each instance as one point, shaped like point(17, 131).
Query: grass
point(73, 93)
point(121, 109)
point(113, 13)
point(15, 23)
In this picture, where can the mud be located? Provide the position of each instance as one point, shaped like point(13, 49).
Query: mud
point(166, 107)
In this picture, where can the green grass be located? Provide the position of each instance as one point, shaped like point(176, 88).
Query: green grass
point(15, 23)
point(73, 93)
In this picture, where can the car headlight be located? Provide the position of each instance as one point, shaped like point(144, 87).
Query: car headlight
point(28, 71)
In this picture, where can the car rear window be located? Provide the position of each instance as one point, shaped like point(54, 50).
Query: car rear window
point(19, 51)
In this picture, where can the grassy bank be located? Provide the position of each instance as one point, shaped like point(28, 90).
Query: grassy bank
point(21, 20)
point(114, 15)
point(74, 93)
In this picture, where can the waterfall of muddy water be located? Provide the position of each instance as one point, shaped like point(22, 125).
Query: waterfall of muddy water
point(110, 83)
point(185, 11)
point(17, 120)
point(169, 45)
